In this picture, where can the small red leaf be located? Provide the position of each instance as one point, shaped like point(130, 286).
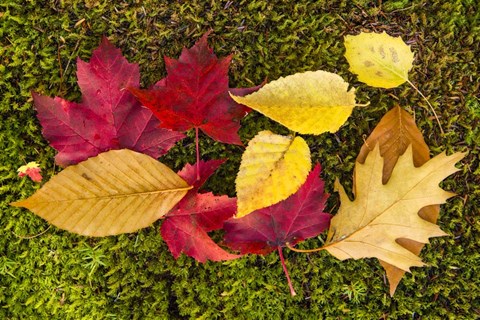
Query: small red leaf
point(109, 117)
point(186, 225)
point(32, 170)
point(195, 95)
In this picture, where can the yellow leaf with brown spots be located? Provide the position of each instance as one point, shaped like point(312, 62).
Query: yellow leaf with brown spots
point(379, 59)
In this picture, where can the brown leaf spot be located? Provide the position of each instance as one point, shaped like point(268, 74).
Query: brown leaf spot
point(382, 52)
point(379, 73)
point(368, 63)
point(84, 175)
point(394, 55)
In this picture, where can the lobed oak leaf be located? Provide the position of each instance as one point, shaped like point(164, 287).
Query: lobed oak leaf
point(394, 133)
point(290, 221)
point(308, 102)
point(195, 95)
point(115, 192)
point(109, 117)
point(378, 59)
point(381, 213)
point(273, 167)
point(186, 225)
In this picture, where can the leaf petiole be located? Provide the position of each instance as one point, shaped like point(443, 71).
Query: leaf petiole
point(429, 104)
point(304, 250)
point(284, 266)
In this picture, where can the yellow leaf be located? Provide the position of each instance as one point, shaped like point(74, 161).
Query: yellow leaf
point(378, 59)
point(370, 225)
point(115, 192)
point(308, 103)
point(273, 167)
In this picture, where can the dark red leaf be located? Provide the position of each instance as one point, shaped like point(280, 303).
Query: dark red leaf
point(295, 219)
point(292, 220)
point(109, 116)
point(195, 95)
point(186, 225)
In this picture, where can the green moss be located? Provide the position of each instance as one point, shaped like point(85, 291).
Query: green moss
point(46, 273)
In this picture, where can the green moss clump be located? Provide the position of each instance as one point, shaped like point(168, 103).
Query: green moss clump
point(46, 273)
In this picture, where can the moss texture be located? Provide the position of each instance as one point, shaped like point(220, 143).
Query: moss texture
point(46, 273)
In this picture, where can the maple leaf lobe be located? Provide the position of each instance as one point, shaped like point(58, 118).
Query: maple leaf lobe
point(186, 225)
point(108, 117)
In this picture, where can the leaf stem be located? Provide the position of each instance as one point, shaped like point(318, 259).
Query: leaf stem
point(304, 250)
point(198, 153)
point(429, 104)
point(362, 104)
point(292, 291)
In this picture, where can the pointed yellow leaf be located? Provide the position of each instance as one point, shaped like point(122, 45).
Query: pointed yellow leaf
point(273, 168)
point(115, 192)
point(380, 214)
point(378, 59)
point(308, 103)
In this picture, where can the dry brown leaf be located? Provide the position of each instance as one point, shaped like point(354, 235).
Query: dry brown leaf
point(115, 192)
point(382, 213)
point(395, 131)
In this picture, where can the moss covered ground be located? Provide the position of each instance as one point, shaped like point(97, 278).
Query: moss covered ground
point(47, 273)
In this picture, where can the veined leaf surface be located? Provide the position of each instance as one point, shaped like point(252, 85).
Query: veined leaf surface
point(379, 59)
point(308, 103)
point(273, 167)
point(115, 192)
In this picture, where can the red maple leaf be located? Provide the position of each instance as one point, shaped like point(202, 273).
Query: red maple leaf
point(195, 95)
point(290, 221)
point(186, 225)
point(109, 116)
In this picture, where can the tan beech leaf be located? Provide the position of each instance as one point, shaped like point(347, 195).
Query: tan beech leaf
point(395, 131)
point(115, 192)
point(311, 102)
point(273, 168)
point(382, 213)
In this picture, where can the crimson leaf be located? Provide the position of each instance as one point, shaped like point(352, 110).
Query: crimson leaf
point(195, 95)
point(290, 221)
point(186, 225)
point(109, 117)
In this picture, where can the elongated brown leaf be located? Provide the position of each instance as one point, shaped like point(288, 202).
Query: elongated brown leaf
point(115, 192)
point(395, 131)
